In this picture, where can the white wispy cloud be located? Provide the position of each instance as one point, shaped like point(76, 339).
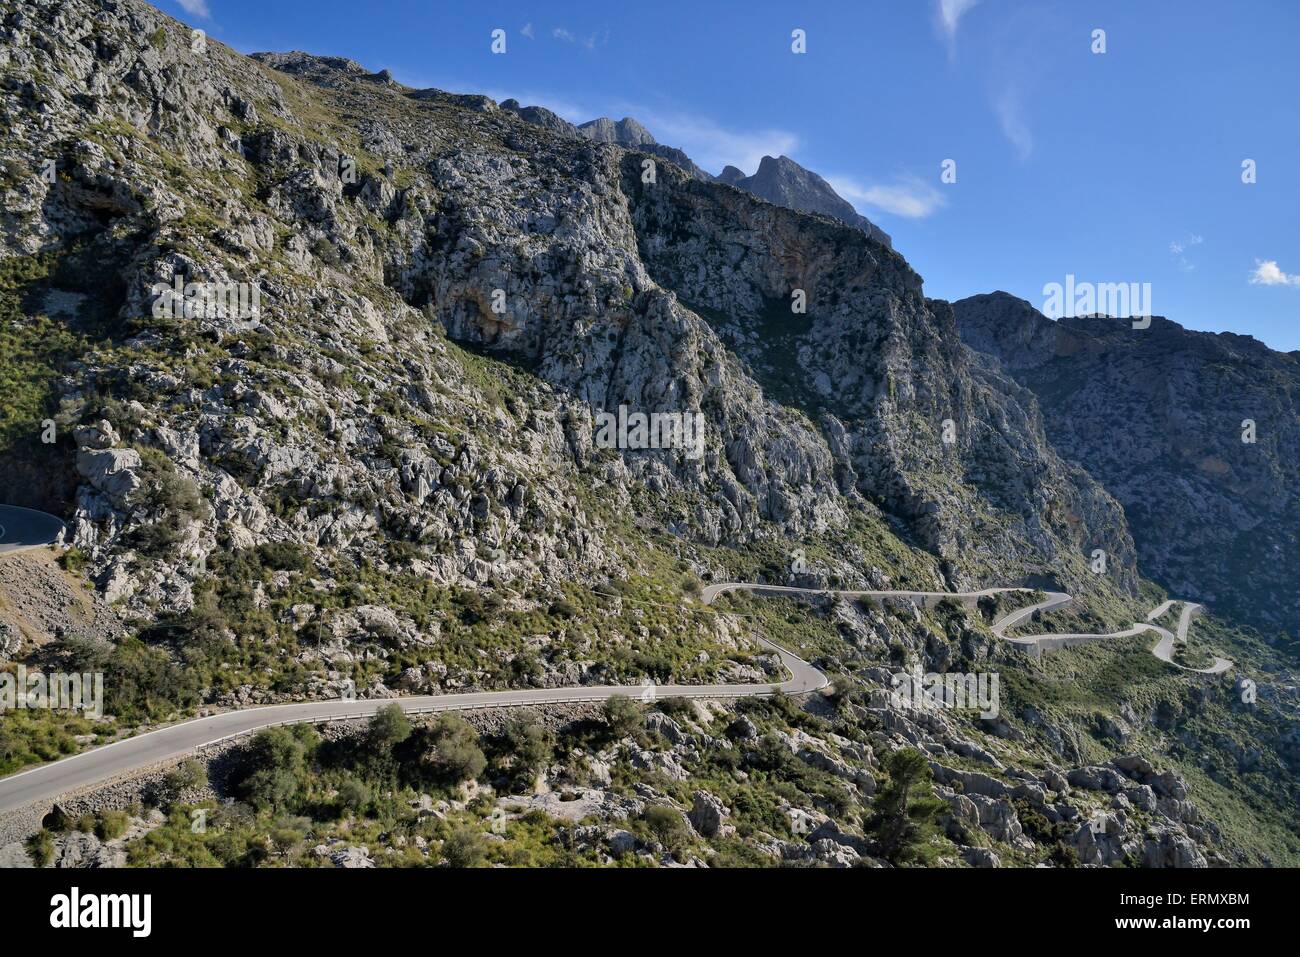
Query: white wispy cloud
point(909, 197)
point(948, 14)
point(1267, 273)
point(590, 42)
point(527, 31)
point(1179, 247)
point(1010, 113)
point(1018, 48)
point(198, 8)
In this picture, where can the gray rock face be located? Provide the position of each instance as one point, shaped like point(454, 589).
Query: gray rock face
point(708, 816)
point(628, 133)
point(1097, 779)
point(1159, 415)
point(833, 854)
point(662, 723)
point(1164, 847)
point(111, 471)
point(624, 132)
point(79, 850)
point(541, 116)
point(874, 363)
point(980, 857)
point(349, 857)
point(782, 181)
point(1103, 840)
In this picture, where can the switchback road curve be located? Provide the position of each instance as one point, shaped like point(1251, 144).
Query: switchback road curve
point(1033, 644)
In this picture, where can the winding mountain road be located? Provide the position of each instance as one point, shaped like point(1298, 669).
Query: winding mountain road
point(49, 781)
point(1034, 644)
point(123, 758)
point(1164, 649)
point(24, 528)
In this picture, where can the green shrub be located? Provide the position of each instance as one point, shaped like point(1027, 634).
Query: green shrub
point(448, 752)
point(905, 808)
point(388, 728)
point(563, 608)
point(530, 746)
point(668, 827)
point(623, 716)
point(73, 560)
point(354, 795)
point(677, 706)
point(274, 766)
point(41, 847)
point(111, 825)
point(184, 777)
point(142, 683)
point(284, 557)
point(325, 251)
point(464, 847)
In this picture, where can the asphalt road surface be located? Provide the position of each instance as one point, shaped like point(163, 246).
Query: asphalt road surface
point(22, 528)
point(48, 781)
point(1164, 649)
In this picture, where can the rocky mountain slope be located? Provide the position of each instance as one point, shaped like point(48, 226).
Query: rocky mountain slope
point(388, 477)
point(342, 392)
point(1193, 432)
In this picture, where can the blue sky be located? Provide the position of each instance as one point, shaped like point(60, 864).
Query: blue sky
point(1123, 166)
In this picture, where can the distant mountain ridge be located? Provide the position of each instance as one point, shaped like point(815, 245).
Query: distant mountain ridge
point(1193, 432)
point(778, 180)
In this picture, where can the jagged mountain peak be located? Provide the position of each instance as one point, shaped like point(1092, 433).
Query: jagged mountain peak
point(778, 180)
point(731, 175)
point(624, 132)
point(540, 116)
point(781, 180)
point(771, 164)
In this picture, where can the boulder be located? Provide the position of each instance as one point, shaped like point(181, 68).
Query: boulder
point(1097, 778)
point(111, 471)
point(980, 857)
point(708, 816)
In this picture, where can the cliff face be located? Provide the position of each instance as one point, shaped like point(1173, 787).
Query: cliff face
point(338, 416)
point(1193, 432)
point(879, 369)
